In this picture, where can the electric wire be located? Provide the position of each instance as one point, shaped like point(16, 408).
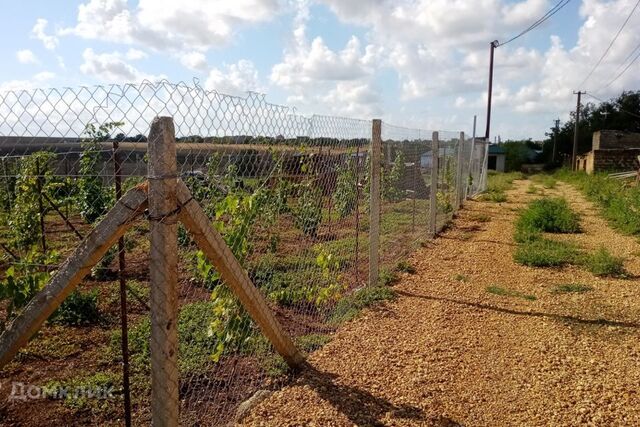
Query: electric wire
point(606, 52)
point(555, 9)
point(618, 105)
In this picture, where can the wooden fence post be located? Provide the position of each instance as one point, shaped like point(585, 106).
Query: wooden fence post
point(433, 189)
point(459, 172)
point(163, 270)
point(374, 201)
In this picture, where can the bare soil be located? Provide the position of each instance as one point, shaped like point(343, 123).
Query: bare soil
point(446, 352)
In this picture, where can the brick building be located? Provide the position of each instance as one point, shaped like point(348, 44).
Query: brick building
point(612, 150)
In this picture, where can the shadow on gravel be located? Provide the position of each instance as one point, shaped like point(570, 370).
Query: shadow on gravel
point(361, 407)
point(560, 317)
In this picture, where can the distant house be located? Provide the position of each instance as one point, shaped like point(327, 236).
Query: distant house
point(611, 150)
point(497, 157)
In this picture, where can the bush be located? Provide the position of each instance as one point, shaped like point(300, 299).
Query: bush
point(78, 309)
point(603, 263)
point(546, 215)
point(546, 253)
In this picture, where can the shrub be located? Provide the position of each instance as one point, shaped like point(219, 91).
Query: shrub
point(603, 263)
point(546, 253)
point(78, 309)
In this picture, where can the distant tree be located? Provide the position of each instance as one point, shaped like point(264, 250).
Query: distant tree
point(620, 113)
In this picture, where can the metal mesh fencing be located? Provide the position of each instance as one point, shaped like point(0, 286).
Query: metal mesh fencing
point(234, 209)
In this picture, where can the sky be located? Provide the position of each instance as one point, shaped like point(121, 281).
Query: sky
point(414, 63)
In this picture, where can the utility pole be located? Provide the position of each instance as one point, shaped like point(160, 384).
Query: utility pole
point(556, 130)
point(574, 155)
point(494, 45)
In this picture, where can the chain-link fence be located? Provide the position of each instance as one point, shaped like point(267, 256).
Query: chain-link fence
point(169, 269)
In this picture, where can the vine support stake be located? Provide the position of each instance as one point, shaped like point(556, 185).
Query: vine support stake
point(433, 189)
point(117, 175)
point(43, 236)
point(374, 201)
point(163, 269)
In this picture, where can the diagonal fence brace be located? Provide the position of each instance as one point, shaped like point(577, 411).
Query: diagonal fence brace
point(116, 222)
point(219, 254)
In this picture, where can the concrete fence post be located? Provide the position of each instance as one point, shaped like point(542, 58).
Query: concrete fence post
point(433, 188)
point(374, 201)
point(163, 269)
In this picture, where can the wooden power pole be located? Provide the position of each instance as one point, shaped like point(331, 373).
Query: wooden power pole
point(574, 155)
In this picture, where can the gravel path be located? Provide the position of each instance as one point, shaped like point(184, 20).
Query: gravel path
point(447, 352)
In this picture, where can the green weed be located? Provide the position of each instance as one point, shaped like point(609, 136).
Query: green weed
point(571, 288)
point(603, 263)
point(546, 253)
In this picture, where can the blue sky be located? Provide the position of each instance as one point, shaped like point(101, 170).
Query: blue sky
point(418, 63)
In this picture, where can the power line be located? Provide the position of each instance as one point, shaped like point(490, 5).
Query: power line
point(606, 52)
point(618, 105)
point(625, 69)
point(555, 9)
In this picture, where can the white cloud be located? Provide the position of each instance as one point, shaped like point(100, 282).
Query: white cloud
point(234, 79)
point(112, 68)
point(37, 81)
point(25, 56)
point(135, 54)
point(195, 61)
point(169, 25)
point(316, 76)
point(39, 32)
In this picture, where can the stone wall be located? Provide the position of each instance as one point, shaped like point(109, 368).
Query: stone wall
point(611, 160)
point(614, 139)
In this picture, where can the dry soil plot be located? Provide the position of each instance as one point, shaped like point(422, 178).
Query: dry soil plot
point(447, 352)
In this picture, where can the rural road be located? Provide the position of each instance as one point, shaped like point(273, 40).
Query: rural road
point(446, 352)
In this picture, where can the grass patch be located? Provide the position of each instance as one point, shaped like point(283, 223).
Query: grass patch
point(550, 215)
point(405, 267)
point(571, 288)
point(532, 189)
point(497, 290)
point(603, 263)
point(461, 278)
point(196, 345)
point(547, 181)
point(618, 200)
point(497, 184)
point(350, 306)
point(546, 253)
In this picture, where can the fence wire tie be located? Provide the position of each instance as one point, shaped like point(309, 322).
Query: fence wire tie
point(173, 213)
